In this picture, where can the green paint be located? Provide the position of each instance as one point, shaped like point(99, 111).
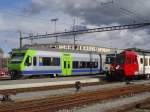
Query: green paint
point(20, 66)
point(66, 64)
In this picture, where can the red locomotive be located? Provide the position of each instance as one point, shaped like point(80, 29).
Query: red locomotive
point(130, 63)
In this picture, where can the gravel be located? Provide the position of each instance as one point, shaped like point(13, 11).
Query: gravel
point(110, 104)
point(42, 94)
point(8, 82)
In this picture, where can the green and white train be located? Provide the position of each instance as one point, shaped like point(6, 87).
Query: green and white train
point(29, 62)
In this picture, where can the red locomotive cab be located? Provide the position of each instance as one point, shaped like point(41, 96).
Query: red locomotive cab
point(126, 65)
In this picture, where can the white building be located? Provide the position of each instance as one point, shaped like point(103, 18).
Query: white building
point(74, 47)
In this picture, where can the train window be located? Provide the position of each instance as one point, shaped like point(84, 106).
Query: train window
point(145, 62)
point(68, 64)
point(28, 61)
point(88, 64)
point(141, 60)
point(83, 64)
point(149, 61)
point(80, 64)
point(56, 62)
point(34, 61)
point(49, 61)
point(75, 64)
point(95, 64)
point(46, 61)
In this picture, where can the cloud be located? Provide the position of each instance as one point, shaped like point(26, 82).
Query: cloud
point(90, 13)
point(94, 12)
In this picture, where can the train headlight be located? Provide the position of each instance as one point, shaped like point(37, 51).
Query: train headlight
point(117, 67)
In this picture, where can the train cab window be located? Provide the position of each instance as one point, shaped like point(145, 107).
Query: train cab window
point(28, 61)
point(34, 61)
point(120, 59)
point(141, 60)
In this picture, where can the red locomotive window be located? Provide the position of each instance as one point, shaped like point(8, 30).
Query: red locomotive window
point(141, 60)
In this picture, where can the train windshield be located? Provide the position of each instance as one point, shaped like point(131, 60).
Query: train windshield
point(17, 58)
point(120, 59)
point(110, 59)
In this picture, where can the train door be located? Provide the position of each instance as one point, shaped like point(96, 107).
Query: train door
point(131, 65)
point(66, 64)
point(141, 64)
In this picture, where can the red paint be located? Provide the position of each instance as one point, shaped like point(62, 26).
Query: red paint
point(128, 66)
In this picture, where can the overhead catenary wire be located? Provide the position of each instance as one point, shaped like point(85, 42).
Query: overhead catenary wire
point(128, 12)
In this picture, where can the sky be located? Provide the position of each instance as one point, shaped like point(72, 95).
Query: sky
point(34, 16)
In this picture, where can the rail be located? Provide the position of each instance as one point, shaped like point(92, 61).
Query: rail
point(68, 101)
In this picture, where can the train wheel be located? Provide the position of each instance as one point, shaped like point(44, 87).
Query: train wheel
point(123, 78)
point(13, 75)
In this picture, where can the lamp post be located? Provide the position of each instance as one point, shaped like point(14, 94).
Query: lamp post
point(55, 20)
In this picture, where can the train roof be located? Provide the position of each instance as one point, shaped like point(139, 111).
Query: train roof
point(57, 50)
point(138, 50)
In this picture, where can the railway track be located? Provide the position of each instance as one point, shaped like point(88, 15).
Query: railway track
point(134, 107)
point(68, 101)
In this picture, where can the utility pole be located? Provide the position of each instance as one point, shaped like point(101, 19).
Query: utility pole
point(55, 20)
point(31, 35)
point(20, 34)
point(74, 36)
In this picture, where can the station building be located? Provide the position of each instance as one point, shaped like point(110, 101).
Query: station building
point(78, 47)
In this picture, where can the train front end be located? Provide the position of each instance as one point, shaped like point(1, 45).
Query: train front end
point(126, 65)
point(16, 62)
